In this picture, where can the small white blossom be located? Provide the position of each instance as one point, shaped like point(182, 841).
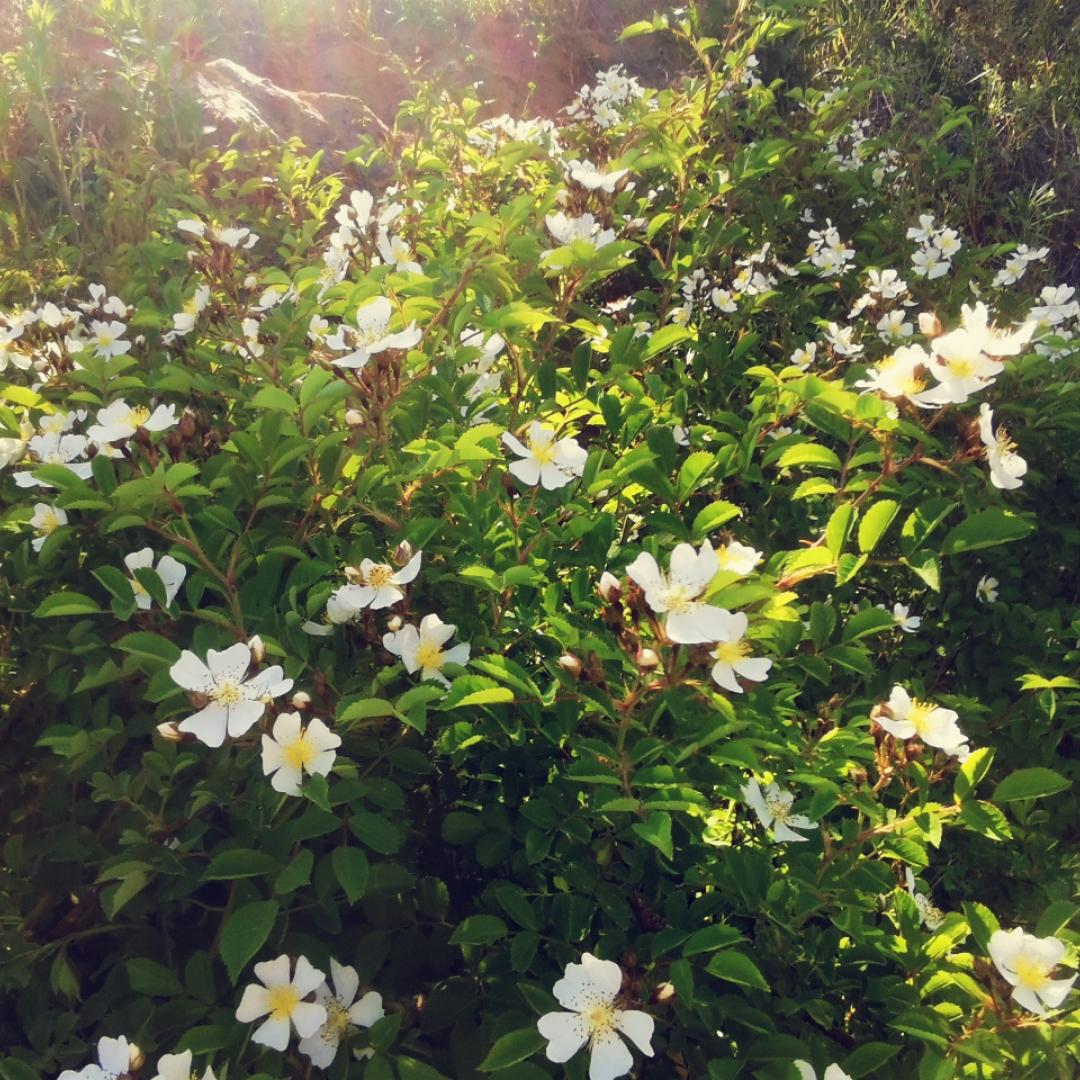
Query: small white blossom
point(46, 520)
point(773, 809)
point(343, 1013)
point(280, 999)
point(589, 991)
point(689, 620)
point(116, 1058)
point(1006, 466)
point(930, 916)
point(119, 421)
point(908, 718)
point(551, 462)
point(986, 591)
point(293, 751)
point(372, 334)
point(832, 1072)
point(1026, 961)
point(422, 649)
point(179, 1067)
point(236, 702)
point(732, 656)
point(171, 572)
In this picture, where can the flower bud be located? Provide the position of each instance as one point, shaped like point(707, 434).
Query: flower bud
point(354, 417)
point(609, 588)
point(136, 1058)
point(354, 575)
point(402, 553)
point(929, 324)
point(170, 732)
point(570, 664)
point(394, 623)
point(301, 700)
point(250, 281)
point(258, 649)
point(647, 658)
point(663, 993)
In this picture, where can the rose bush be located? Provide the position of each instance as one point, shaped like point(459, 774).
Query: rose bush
point(596, 592)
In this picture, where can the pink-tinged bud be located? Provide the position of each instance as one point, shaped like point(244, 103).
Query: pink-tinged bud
point(929, 324)
point(300, 700)
point(394, 624)
point(402, 553)
point(647, 658)
point(570, 664)
point(258, 649)
point(609, 588)
point(354, 417)
point(170, 732)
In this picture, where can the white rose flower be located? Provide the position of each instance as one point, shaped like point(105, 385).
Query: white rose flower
point(732, 656)
point(986, 591)
point(119, 421)
point(590, 990)
point(294, 751)
point(379, 587)
point(773, 809)
point(46, 520)
point(116, 1058)
point(372, 334)
point(689, 620)
point(236, 702)
point(832, 1072)
point(910, 718)
point(171, 572)
point(343, 1012)
point(422, 650)
point(551, 462)
point(1006, 466)
point(281, 1000)
point(1026, 962)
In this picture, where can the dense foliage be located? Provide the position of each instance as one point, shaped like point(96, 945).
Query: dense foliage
point(523, 542)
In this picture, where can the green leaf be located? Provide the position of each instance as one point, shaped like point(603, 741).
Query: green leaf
point(972, 771)
point(273, 397)
point(1033, 783)
point(735, 967)
point(12, 1068)
point(375, 832)
point(149, 977)
point(297, 874)
point(693, 472)
point(667, 337)
point(351, 869)
point(410, 1069)
point(867, 1058)
point(712, 517)
point(711, 938)
point(67, 603)
point(985, 529)
point(870, 620)
point(240, 863)
point(656, 830)
point(515, 903)
point(146, 646)
point(479, 930)
point(245, 933)
point(809, 454)
point(367, 709)
point(513, 1047)
point(874, 523)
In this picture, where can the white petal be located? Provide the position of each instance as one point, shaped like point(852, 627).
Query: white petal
point(139, 560)
point(409, 570)
point(605, 975)
point(756, 801)
point(319, 736)
point(755, 668)
point(645, 572)
point(272, 1033)
point(516, 445)
point(307, 978)
point(703, 623)
point(1028, 998)
point(346, 982)
point(321, 1048)
point(114, 1055)
point(192, 674)
point(254, 1003)
point(1056, 991)
point(611, 1057)
point(368, 1010)
point(527, 470)
point(242, 716)
point(782, 832)
point(273, 757)
point(566, 1034)
point(209, 725)
point(308, 1017)
point(229, 665)
point(552, 477)
point(638, 1027)
point(274, 972)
